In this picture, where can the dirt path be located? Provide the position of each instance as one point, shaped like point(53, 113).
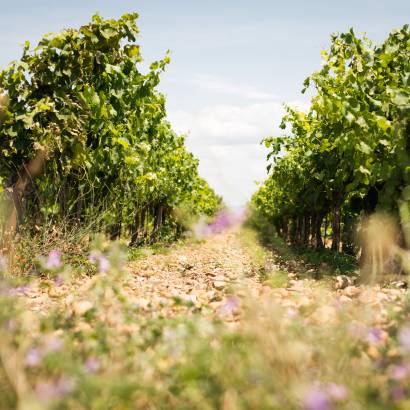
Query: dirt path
point(209, 277)
point(214, 278)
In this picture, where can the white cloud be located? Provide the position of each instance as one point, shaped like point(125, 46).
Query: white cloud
point(226, 139)
point(231, 124)
point(220, 85)
point(233, 170)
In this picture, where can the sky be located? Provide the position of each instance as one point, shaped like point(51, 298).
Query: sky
point(234, 64)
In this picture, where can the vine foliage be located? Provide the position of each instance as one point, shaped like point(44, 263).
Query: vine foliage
point(84, 137)
point(349, 155)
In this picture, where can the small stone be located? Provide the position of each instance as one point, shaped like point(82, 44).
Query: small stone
point(373, 352)
point(345, 299)
point(342, 282)
point(213, 296)
point(218, 285)
point(351, 291)
point(399, 285)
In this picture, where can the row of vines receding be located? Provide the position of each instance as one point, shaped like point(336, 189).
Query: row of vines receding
point(349, 155)
point(84, 139)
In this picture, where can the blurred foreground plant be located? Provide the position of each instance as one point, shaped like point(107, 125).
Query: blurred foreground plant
point(95, 348)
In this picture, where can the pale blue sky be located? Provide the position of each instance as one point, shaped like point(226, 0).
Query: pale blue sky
point(233, 63)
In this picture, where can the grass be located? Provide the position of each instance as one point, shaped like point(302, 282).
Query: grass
point(160, 248)
point(262, 259)
point(305, 261)
point(141, 252)
point(279, 279)
point(249, 242)
point(75, 245)
point(29, 248)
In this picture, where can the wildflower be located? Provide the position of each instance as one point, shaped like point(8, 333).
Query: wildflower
point(53, 344)
point(93, 256)
point(104, 264)
point(221, 222)
point(18, 290)
point(399, 372)
point(33, 357)
point(92, 365)
point(55, 389)
point(337, 392)
point(374, 336)
point(100, 260)
point(230, 307)
point(316, 399)
point(54, 260)
point(65, 386)
point(398, 393)
point(291, 312)
point(404, 338)
point(59, 280)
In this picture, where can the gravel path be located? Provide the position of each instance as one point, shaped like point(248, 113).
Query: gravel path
point(210, 277)
point(216, 278)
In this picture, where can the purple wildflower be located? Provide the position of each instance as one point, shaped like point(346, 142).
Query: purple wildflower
point(46, 390)
point(399, 372)
point(55, 389)
point(53, 344)
point(398, 393)
point(54, 260)
point(316, 399)
point(92, 365)
point(221, 222)
point(337, 392)
point(18, 291)
point(100, 260)
point(59, 280)
point(374, 336)
point(104, 264)
point(230, 307)
point(225, 220)
point(404, 338)
point(291, 312)
point(33, 357)
point(93, 257)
